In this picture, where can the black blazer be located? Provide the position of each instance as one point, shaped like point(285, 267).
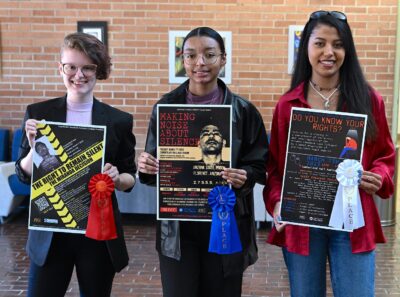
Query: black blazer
point(120, 152)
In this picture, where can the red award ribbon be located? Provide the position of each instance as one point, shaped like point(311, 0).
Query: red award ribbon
point(101, 224)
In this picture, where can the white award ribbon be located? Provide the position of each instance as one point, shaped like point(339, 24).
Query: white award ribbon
point(347, 211)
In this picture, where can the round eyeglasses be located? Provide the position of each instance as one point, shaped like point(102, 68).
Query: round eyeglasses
point(336, 14)
point(88, 70)
point(208, 58)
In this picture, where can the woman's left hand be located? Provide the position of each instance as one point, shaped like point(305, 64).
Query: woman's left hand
point(370, 182)
point(113, 173)
point(235, 177)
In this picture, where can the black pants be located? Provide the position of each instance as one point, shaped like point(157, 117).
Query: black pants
point(198, 273)
point(90, 258)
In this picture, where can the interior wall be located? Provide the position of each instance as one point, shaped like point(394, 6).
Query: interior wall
point(31, 33)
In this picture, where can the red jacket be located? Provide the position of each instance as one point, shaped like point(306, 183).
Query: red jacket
point(378, 157)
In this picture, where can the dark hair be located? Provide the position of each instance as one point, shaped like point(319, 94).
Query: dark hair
point(355, 92)
point(39, 143)
point(93, 48)
point(208, 32)
point(219, 122)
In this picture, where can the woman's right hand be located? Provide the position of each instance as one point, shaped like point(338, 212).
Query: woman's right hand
point(147, 164)
point(277, 218)
point(30, 130)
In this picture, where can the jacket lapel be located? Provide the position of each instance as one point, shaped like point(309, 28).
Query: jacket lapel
point(99, 117)
point(57, 112)
point(98, 114)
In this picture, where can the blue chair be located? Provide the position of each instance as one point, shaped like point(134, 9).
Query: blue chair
point(4, 144)
point(16, 142)
point(13, 192)
point(17, 187)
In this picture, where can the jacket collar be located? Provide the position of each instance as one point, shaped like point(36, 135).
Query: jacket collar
point(179, 94)
point(58, 110)
point(297, 94)
point(99, 116)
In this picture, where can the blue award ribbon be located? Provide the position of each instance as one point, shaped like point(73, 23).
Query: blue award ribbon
point(224, 235)
point(347, 211)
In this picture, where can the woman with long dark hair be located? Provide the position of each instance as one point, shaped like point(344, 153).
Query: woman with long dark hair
point(187, 268)
point(328, 76)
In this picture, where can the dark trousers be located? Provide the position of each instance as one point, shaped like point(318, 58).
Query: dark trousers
point(90, 258)
point(198, 273)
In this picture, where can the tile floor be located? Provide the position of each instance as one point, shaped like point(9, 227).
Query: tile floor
point(141, 278)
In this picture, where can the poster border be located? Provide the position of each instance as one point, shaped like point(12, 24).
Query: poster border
point(65, 230)
point(157, 139)
point(286, 158)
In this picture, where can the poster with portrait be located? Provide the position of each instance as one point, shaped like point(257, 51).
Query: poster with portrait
point(65, 157)
point(193, 147)
point(318, 142)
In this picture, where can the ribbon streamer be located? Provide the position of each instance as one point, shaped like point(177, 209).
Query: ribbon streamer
point(347, 211)
point(224, 235)
point(101, 223)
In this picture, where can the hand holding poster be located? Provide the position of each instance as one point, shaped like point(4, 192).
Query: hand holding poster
point(194, 146)
point(65, 158)
point(318, 142)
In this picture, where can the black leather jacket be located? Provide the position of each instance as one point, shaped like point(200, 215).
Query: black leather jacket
point(249, 152)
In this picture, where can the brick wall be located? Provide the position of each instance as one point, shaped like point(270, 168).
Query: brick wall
point(31, 32)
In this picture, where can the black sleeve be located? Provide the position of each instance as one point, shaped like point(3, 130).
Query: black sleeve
point(254, 152)
point(24, 149)
point(151, 147)
point(125, 159)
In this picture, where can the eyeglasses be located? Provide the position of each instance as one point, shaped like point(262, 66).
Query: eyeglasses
point(208, 58)
point(87, 70)
point(336, 14)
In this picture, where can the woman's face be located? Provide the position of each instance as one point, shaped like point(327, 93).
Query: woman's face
point(79, 85)
point(325, 52)
point(203, 59)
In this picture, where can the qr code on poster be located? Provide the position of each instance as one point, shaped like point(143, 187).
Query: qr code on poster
point(41, 203)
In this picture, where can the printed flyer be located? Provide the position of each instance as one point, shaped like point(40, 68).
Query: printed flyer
point(65, 157)
point(193, 147)
point(318, 142)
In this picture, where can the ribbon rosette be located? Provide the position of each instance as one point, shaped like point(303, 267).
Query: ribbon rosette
point(224, 235)
point(101, 224)
point(347, 210)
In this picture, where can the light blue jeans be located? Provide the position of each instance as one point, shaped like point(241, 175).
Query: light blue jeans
point(352, 275)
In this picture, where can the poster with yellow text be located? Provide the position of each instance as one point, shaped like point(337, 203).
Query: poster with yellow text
point(65, 157)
